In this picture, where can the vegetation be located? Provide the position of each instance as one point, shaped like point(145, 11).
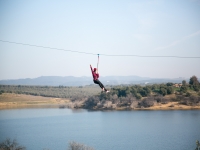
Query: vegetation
point(197, 145)
point(51, 91)
point(137, 96)
point(122, 96)
point(11, 145)
point(78, 146)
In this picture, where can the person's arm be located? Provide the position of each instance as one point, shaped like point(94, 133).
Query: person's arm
point(93, 73)
point(91, 68)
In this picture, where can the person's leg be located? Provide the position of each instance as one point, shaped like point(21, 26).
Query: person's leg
point(100, 84)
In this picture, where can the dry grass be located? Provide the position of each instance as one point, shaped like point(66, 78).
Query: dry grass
point(8, 100)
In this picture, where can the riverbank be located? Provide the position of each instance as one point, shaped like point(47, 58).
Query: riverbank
point(158, 106)
point(14, 101)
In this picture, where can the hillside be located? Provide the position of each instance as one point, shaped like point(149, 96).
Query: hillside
point(82, 81)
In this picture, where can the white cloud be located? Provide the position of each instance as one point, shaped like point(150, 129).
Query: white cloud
point(179, 41)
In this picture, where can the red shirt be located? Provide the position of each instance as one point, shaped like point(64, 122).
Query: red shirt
point(95, 75)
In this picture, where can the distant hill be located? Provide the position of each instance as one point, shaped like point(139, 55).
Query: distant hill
point(82, 81)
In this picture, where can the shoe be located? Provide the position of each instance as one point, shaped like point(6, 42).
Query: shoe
point(107, 91)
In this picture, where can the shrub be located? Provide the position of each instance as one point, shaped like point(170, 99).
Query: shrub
point(91, 102)
point(77, 146)
point(185, 101)
point(114, 98)
point(124, 101)
point(183, 89)
point(196, 87)
point(188, 94)
point(165, 101)
point(179, 97)
point(163, 91)
point(192, 100)
point(170, 90)
point(161, 99)
point(138, 96)
point(147, 102)
point(11, 145)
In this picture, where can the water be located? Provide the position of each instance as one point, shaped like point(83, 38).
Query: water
point(39, 129)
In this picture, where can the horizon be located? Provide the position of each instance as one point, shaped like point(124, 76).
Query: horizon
point(104, 77)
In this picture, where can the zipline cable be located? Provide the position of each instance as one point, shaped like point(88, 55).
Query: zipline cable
point(60, 49)
point(94, 53)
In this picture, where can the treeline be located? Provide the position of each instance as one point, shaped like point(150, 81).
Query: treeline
point(137, 96)
point(51, 91)
point(163, 89)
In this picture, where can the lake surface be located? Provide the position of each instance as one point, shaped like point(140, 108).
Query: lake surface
point(53, 129)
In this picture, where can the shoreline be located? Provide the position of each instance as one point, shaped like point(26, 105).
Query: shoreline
point(21, 101)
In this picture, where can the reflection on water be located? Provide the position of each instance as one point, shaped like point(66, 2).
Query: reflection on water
point(120, 130)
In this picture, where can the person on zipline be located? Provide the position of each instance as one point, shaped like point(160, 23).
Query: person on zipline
point(95, 75)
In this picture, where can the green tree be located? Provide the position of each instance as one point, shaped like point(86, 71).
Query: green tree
point(163, 91)
point(170, 90)
point(196, 87)
point(148, 90)
point(138, 96)
point(143, 93)
point(169, 84)
point(194, 81)
point(122, 92)
point(183, 89)
point(184, 82)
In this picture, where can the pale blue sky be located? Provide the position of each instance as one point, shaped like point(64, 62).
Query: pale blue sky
point(115, 27)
